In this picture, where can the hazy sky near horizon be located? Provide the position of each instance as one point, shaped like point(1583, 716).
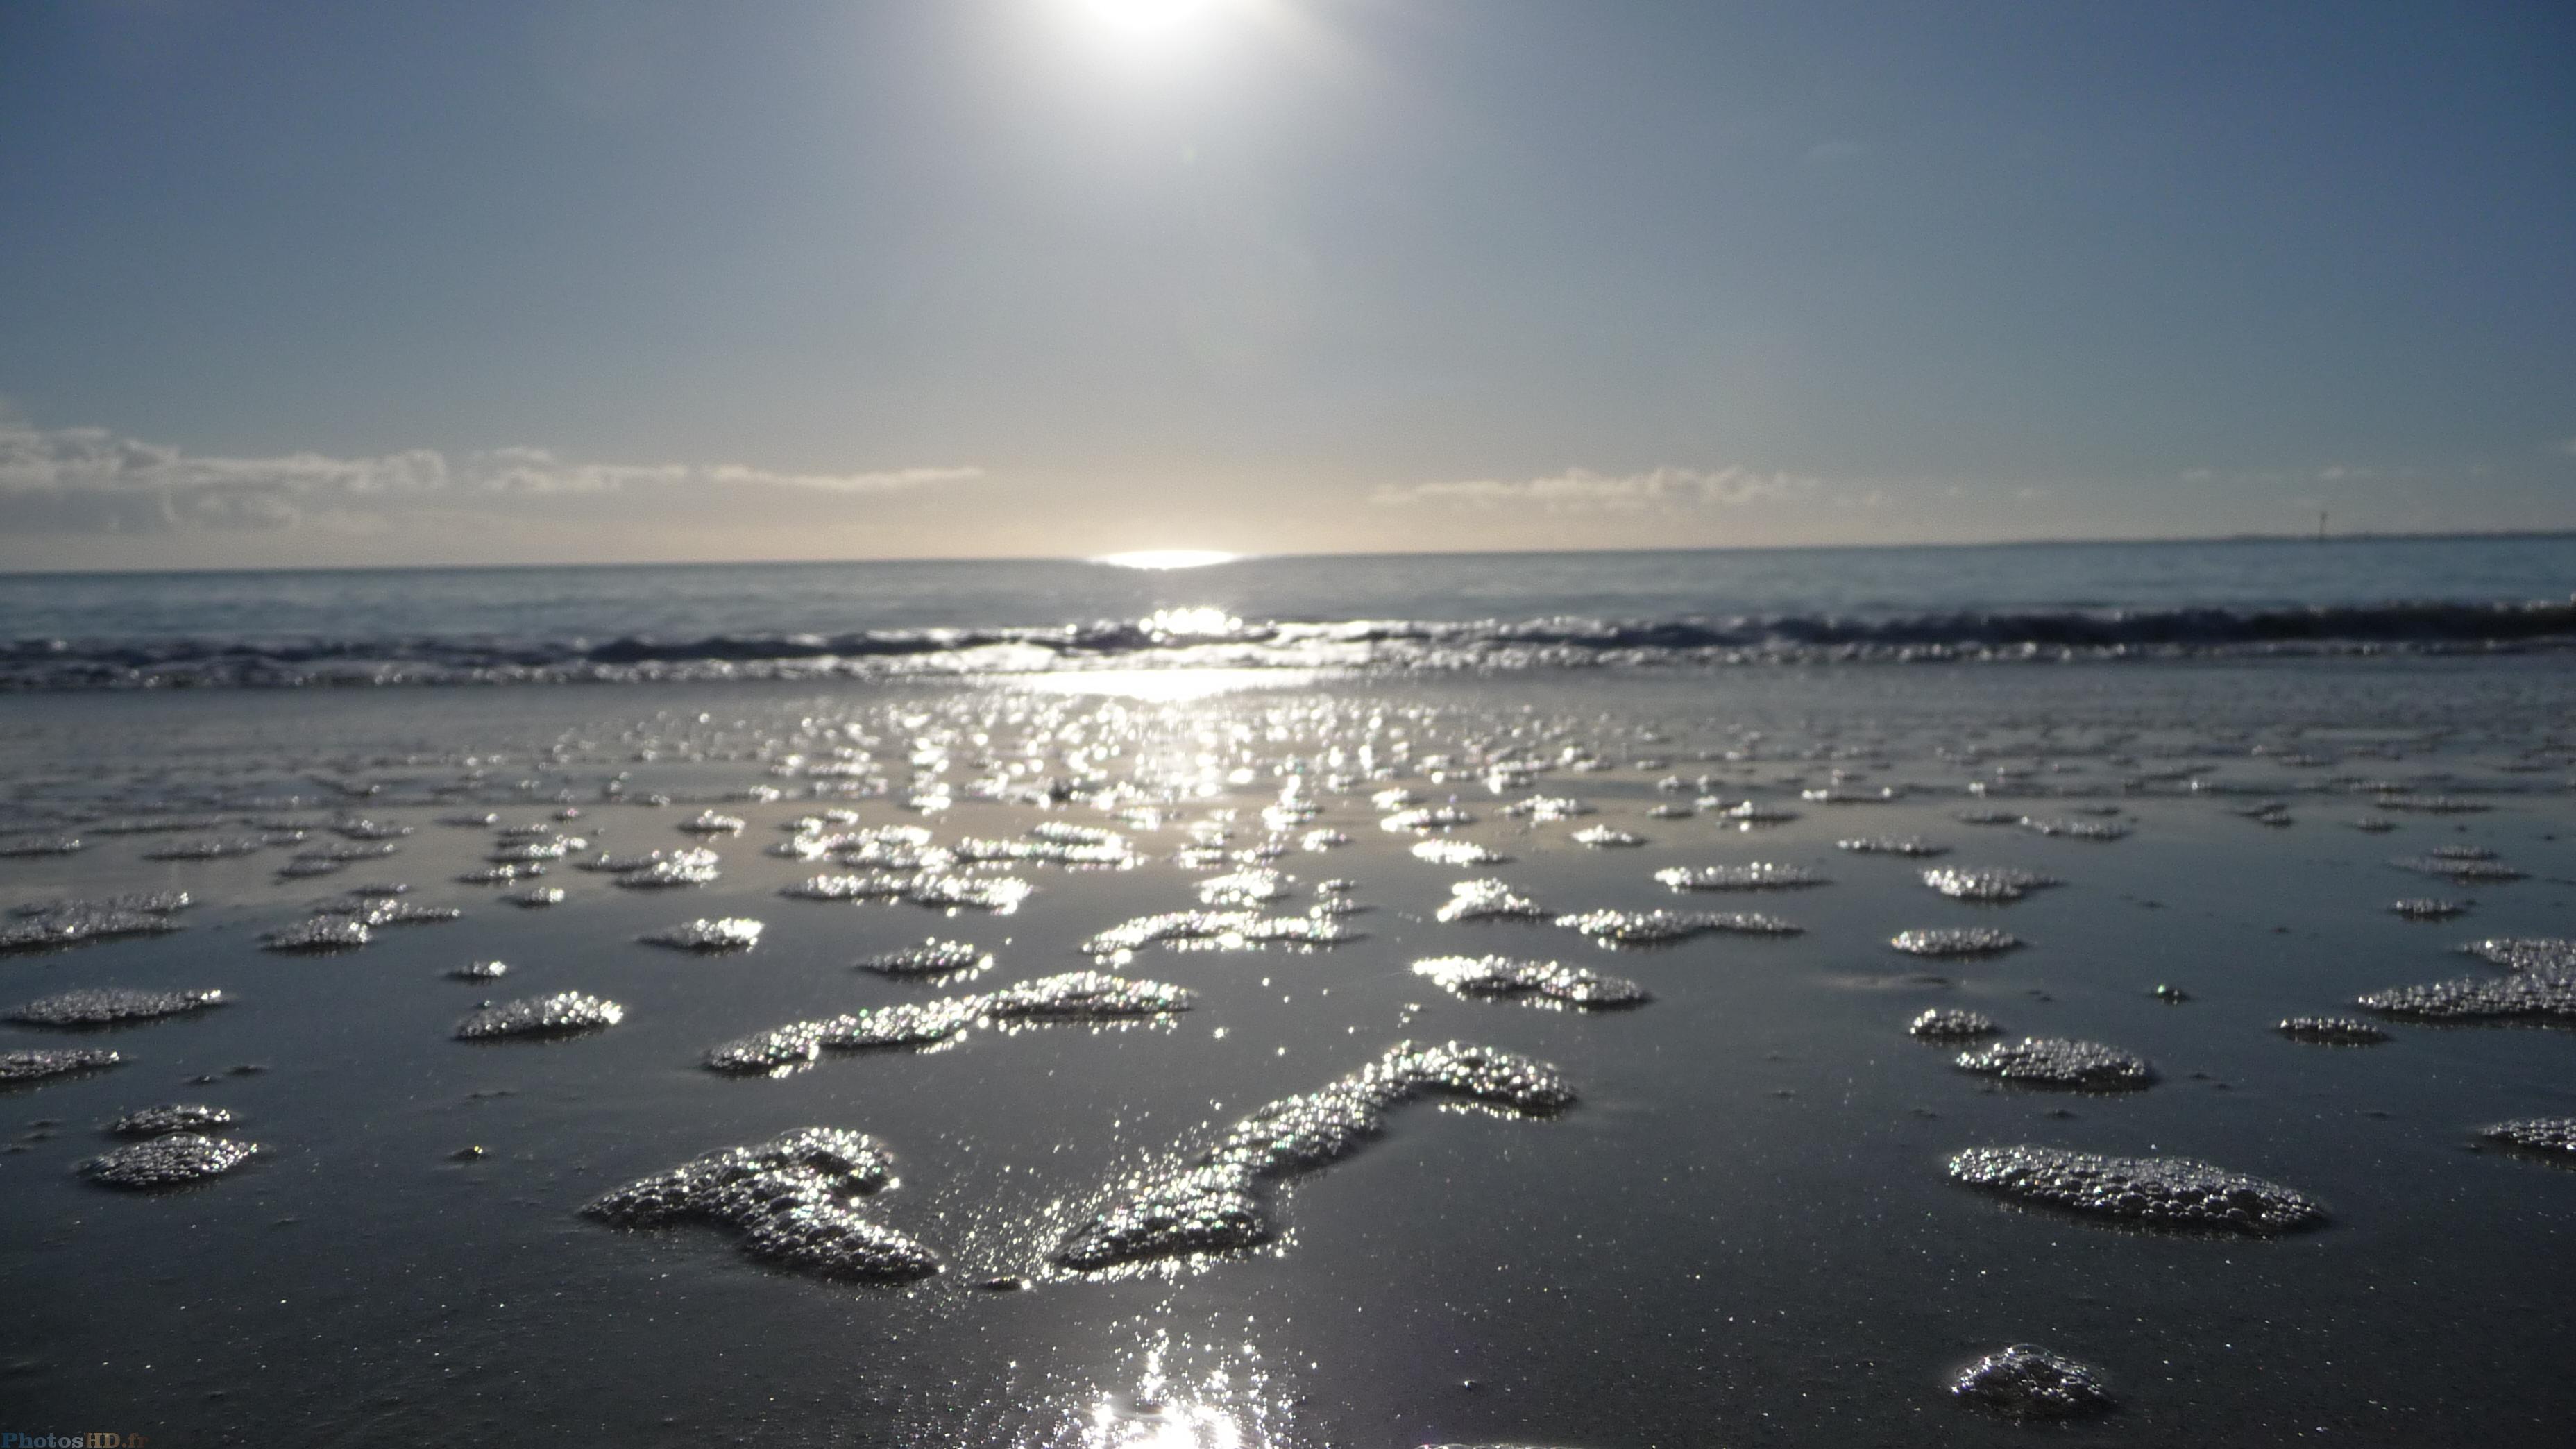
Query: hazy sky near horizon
point(502, 281)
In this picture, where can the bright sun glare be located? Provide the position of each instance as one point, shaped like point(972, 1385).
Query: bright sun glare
point(1168, 558)
point(1145, 27)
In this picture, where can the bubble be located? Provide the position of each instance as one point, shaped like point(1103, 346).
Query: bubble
point(113, 1006)
point(2026, 1381)
point(725, 933)
point(1653, 928)
point(2171, 1192)
point(2427, 908)
point(793, 1199)
point(1955, 941)
point(481, 971)
point(708, 822)
point(1215, 1202)
point(562, 1014)
point(1991, 884)
point(181, 1157)
point(2331, 1030)
point(536, 897)
point(1758, 875)
point(2555, 1136)
point(2051, 1061)
point(1943, 1023)
point(177, 1117)
point(1603, 837)
point(35, 1066)
point(22, 847)
point(1549, 980)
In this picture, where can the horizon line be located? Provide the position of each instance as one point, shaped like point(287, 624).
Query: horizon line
point(2358, 536)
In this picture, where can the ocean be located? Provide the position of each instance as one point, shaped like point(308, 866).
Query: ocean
point(1394, 611)
point(1562, 1000)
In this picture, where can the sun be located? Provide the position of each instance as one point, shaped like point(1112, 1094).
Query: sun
point(1143, 27)
point(1142, 17)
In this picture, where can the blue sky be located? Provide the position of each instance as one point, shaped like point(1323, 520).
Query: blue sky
point(470, 282)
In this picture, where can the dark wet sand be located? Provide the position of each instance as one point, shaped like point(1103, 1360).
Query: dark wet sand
point(1740, 1234)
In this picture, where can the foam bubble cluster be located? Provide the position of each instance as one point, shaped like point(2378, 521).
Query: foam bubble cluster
point(62, 924)
point(2462, 869)
point(1217, 930)
point(1943, 1023)
point(2553, 1135)
point(1955, 941)
point(2331, 1030)
point(2534, 955)
point(1548, 980)
point(1991, 884)
point(562, 1014)
point(1487, 900)
point(37, 1065)
point(112, 1006)
point(933, 957)
point(1216, 1201)
point(1914, 846)
point(1070, 996)
point(172, 1161)
point(2480, 998)
point(1655, 928)
point(2026, 1381)
point(793, 1198)
point(177, 1117)
point(1447, 851)
point(2172, 1192)
point(2052, 1061)
point(2074, 828)
point(723, 933)
point(319, 934)
point(1758, 875)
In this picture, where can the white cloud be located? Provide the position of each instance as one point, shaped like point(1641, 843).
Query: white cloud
point(1581, 490)
point(92, 480)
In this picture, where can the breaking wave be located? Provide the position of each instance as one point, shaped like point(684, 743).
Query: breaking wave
point(1190, 639)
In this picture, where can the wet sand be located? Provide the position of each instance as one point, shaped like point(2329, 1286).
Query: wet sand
point(1742, 1229)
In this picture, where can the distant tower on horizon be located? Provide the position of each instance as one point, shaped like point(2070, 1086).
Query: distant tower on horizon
point(2321, 525)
